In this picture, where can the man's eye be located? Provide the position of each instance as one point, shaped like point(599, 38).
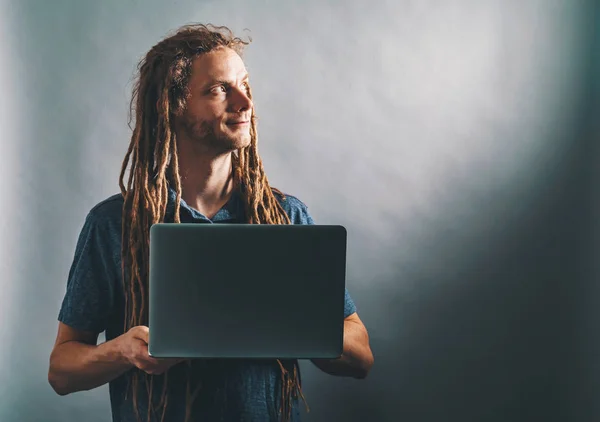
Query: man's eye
point(218, 89)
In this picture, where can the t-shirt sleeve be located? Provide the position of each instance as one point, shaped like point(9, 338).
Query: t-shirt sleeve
point(89, 296)
point(349, 306)
point(306, 218)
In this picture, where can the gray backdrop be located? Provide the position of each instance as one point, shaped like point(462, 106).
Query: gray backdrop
point(452, 138)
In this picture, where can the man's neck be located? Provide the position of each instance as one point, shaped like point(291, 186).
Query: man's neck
point(206, 181)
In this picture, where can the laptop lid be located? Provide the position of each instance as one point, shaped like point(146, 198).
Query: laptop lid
point(246, 291)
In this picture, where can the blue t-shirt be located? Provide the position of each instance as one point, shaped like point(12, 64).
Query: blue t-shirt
point(240, 390)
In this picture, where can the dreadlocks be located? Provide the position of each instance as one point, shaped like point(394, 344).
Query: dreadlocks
point(160, 93)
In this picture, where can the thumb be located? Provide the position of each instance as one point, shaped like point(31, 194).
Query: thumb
point(143, 333)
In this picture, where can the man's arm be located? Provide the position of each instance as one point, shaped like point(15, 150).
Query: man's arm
point(357, 358)
point(78, 364)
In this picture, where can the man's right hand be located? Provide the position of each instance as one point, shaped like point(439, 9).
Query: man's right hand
point(133, 346)
point(78, 363)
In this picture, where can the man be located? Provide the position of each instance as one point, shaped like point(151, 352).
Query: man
point(192, 158)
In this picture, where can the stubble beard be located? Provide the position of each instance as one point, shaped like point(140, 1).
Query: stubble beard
point(203, 134)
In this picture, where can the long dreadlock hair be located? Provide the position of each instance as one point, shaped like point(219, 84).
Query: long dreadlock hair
point(159, 94)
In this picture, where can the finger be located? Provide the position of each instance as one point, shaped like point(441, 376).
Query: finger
point(168, 363)
point(157, 368)
point(143, 333)
point(164, 364)
point(172, 361)
point(153, 370)
point(144, 357)
point(148, 364)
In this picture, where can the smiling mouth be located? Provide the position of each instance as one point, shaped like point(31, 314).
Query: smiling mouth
point(241, 122)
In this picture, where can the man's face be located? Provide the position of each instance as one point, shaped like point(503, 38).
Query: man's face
point(217, 117)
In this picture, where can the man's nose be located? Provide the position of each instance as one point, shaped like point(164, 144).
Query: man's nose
point(241, 101)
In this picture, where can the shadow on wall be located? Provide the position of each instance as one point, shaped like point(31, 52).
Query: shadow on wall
point(585, 404)
point(487, 335)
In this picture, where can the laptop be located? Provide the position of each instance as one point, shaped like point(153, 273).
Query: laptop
point(246, 291)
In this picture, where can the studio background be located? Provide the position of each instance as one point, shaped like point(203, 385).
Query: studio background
point(456, 140)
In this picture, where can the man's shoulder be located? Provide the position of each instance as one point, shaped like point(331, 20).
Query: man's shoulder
point(294, 207)
point(290, 201)
point(107, 213)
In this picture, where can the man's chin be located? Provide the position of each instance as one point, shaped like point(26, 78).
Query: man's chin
point(233, 144)
point(241, 143)
point(246, 143)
